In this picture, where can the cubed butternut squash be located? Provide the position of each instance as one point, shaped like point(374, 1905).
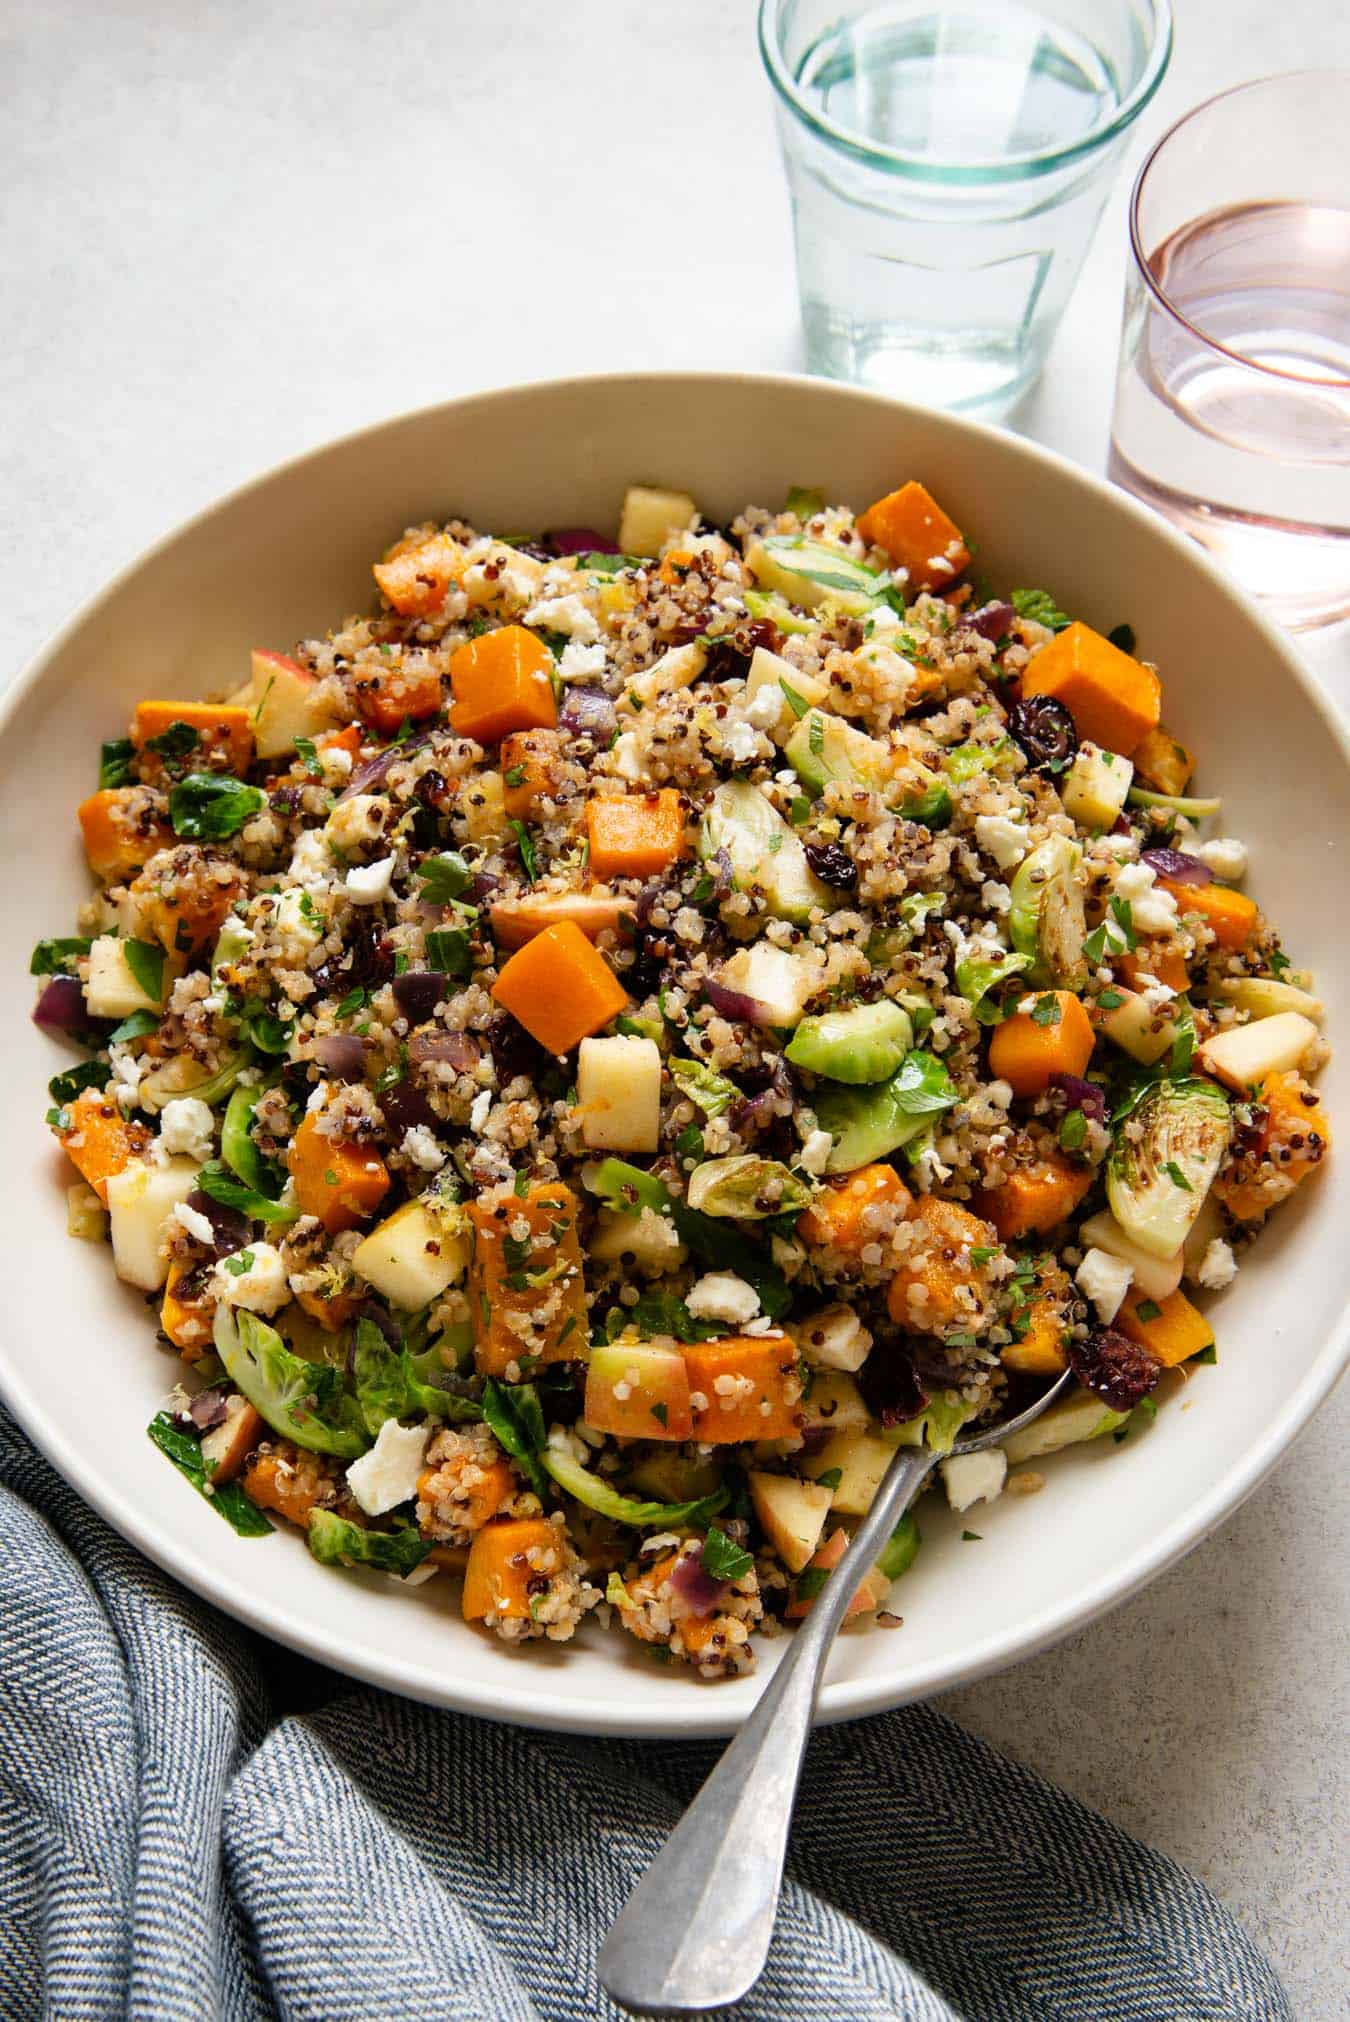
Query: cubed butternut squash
point(287, 1479)
point(743, 1388)
point(504, 1558)
point(1037, 1348)
point(516, 921)
point(342, 1183)
point(635, 835)
point(398, 694)
point(1171, 1330)
point(1113, 698)
point(1161, 761)
point(186, 1321)
point(941, 1282)
point(530, 768)
point(502, 681)
point(917, 535)
point(120, 831)
point(99, 1140)
point(416, 574)
point(560, 988)
point(1053, 1037)
point(838, 1218)
point(1231, 916)
point(1035, 1198)
point(1294, 1140)
point(527, 1292)
point(1163, 962)
point(224, 736)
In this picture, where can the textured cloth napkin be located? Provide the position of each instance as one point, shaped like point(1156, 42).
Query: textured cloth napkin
point(194, 1824)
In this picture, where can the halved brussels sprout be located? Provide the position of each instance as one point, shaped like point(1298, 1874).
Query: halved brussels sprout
point(1167, 1149)
point(1046, 920)
point(746, 1188)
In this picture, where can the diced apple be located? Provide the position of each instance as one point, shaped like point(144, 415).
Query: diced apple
point(1095, 787)
point(869, 1596)
point(648, 1239)
point(1129, 1024)
point(676, 669)
point(650, 516)
point(1208, 1224)
point(619, 1094)
point(835, 1402)
point(286, 704)
point(411, 1258)
point(861, 1459)
point(483, 805)
point(111, 990)
point(140, 1200)
point(834, 1338)
point(1155, 1277)
point(792, 1514)
point(770, 670)
point(227, 1446)
point(1244, 1055)
point(780, 981)
point(1265, 997)
point(637, 1391)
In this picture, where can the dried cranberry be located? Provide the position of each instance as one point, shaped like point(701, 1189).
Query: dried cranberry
point(832, 865)
point(1115, 1368)
point(1045, 730)
point(991, 621)
point(431, 788)
point(513, 1050)
point(891, 1386)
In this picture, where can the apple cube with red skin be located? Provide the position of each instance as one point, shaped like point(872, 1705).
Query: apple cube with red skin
point(636, 1391)
point(286, 704)
point(868, 1598)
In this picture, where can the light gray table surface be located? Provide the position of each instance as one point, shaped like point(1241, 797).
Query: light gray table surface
point(229, 232)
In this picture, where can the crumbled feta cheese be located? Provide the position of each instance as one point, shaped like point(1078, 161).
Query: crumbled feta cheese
point(311, 862)
point(1104, 1280)
point(186, 1125)
point(815, 1152)
point(197, 1225)
point(386, 1476)
point(929, 1169)
point(337, 764)
point(368, 884)
point(883, 620)
point(254, 1278)
point(1000, 1093)
point(739, 743)
point(723, 1296)
point(1001, 838)
point(1225, 856)
point(125, 1071)
point(478, 1115)
point(626, 757)
point(995, 898)
point(766, 706)
point(419, 1144)
point(298, 925)
point(316, 1098)
point(974, 1477)
point(1152, 911)
point(565, 614)
point(580, 662)
point(1218, 1266)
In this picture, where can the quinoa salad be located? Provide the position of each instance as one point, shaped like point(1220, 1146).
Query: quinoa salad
point(589, 1057)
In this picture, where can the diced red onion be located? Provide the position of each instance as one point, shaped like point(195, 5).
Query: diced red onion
point(1176, 865)
point(207, 1409)
point(454, 1049)
point(991, 621)
point(419, 992)
point(587, 712)
point(371, 775)
point(485, 883)
point(579, 541)
point(342, 1054)
point(734, 1004)
point(696, 1586)
point(61, 1006)
point(816, 1438)
point(404, 1107)
point(1080, 1094)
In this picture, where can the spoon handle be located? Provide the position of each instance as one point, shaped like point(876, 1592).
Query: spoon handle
point(695, 1932)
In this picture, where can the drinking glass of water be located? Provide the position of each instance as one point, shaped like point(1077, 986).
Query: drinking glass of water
point(1232, 410)
point(947, 164)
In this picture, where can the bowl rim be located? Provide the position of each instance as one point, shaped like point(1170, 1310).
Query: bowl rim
point(536, 1705)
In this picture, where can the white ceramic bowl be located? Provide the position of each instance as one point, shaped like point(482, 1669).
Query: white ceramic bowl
point(291, 554)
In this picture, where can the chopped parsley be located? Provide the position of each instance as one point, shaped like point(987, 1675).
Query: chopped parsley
point(722, 1559)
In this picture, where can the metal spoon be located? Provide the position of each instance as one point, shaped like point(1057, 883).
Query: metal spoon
point(695, 1932)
